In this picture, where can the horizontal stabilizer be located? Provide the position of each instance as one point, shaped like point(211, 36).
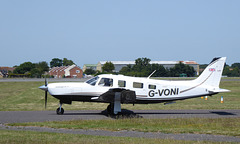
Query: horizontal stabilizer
point(224, 90)
point(218, 90)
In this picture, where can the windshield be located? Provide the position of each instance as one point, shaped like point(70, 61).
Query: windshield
point(92, 81)
point(106, 82)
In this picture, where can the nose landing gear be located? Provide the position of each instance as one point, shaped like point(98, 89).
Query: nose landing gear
point(60, 110)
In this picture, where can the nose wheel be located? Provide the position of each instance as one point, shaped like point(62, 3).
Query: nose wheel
point(60, 110)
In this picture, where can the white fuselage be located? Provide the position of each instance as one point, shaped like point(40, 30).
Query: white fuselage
point(117, 89)
point(147, 90)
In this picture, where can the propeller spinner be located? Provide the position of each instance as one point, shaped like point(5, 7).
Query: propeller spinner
point(45, 88)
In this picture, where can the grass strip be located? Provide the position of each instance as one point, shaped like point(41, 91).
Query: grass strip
point(30, 137)
point(26, 96)
point(214, 126)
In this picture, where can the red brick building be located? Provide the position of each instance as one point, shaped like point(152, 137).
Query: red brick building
point(4, 71)
point(72, 71)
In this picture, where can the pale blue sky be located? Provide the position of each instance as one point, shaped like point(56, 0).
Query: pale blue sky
point(96, 30)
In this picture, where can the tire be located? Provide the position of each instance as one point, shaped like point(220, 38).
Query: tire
point(60, 112)
point(110, 108)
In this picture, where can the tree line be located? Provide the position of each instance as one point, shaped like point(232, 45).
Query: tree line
point(38, 70)
point(143, 68)
point(232, 71)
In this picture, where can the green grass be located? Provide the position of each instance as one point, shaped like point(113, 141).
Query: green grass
point(18, 96)
point(215, 126)
point(30, 137)
point(15, 96)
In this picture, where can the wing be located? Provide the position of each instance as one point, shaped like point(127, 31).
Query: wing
point(126, 96)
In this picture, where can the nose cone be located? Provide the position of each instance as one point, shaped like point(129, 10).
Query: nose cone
point(43, 87)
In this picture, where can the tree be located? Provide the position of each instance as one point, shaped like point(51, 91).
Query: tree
point(231, 72)
point(143, 68)
point(90, 72)
point(108, 67)
point(235, 72)
point(35, 73)
point(236, 65)
point(141, 64)
point(126, 70)
point(180, 69)
point(32, 69)
point(226, 71)
point(40, 69)
point(56, 62)
point(67, 62)
point(42, 66)
point(24, 68)
point(160, 70)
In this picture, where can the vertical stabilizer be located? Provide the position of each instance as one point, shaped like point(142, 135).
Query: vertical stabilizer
point(211, 76)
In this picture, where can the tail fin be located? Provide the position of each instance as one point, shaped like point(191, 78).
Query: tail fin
point(211, 76)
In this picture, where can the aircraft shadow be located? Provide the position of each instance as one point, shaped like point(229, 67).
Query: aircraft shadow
point(186, 113)
point(222, 113)
point(124, 114)
point(131, 114)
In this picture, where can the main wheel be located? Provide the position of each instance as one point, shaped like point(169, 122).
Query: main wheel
point(60, 112)
point(110, 108)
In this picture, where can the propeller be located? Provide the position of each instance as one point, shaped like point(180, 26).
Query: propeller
point(46, 83)
point(45, 88)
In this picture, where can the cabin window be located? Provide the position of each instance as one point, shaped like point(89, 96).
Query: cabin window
point(137, 85)
point(121, 83)
point(92, 81)
point(77, 71)
point(108, 82)
point(152, 86)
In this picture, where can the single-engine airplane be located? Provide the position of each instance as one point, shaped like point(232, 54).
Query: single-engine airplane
point(119, 89)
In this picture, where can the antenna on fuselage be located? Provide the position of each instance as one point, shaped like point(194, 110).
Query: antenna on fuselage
point(151, 74)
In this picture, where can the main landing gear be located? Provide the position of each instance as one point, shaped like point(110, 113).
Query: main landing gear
point(60, 110)
point(114, 108)
point(110, 108)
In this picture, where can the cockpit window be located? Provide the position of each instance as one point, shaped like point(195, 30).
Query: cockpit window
point(108, 82)
point(92, 81)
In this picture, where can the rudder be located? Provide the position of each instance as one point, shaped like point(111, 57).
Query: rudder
point(212, 74)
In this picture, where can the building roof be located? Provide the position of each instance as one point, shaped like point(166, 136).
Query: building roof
point(90, 65)
point(63, 68)
point(118, 62)
point(151, 62)
point(67, 70)
point(7, 68)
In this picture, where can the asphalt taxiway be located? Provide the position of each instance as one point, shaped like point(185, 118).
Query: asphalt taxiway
point(41, 116)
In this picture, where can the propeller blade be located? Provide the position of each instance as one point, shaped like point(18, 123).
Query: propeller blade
point(46, 82)
point(45, 99)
